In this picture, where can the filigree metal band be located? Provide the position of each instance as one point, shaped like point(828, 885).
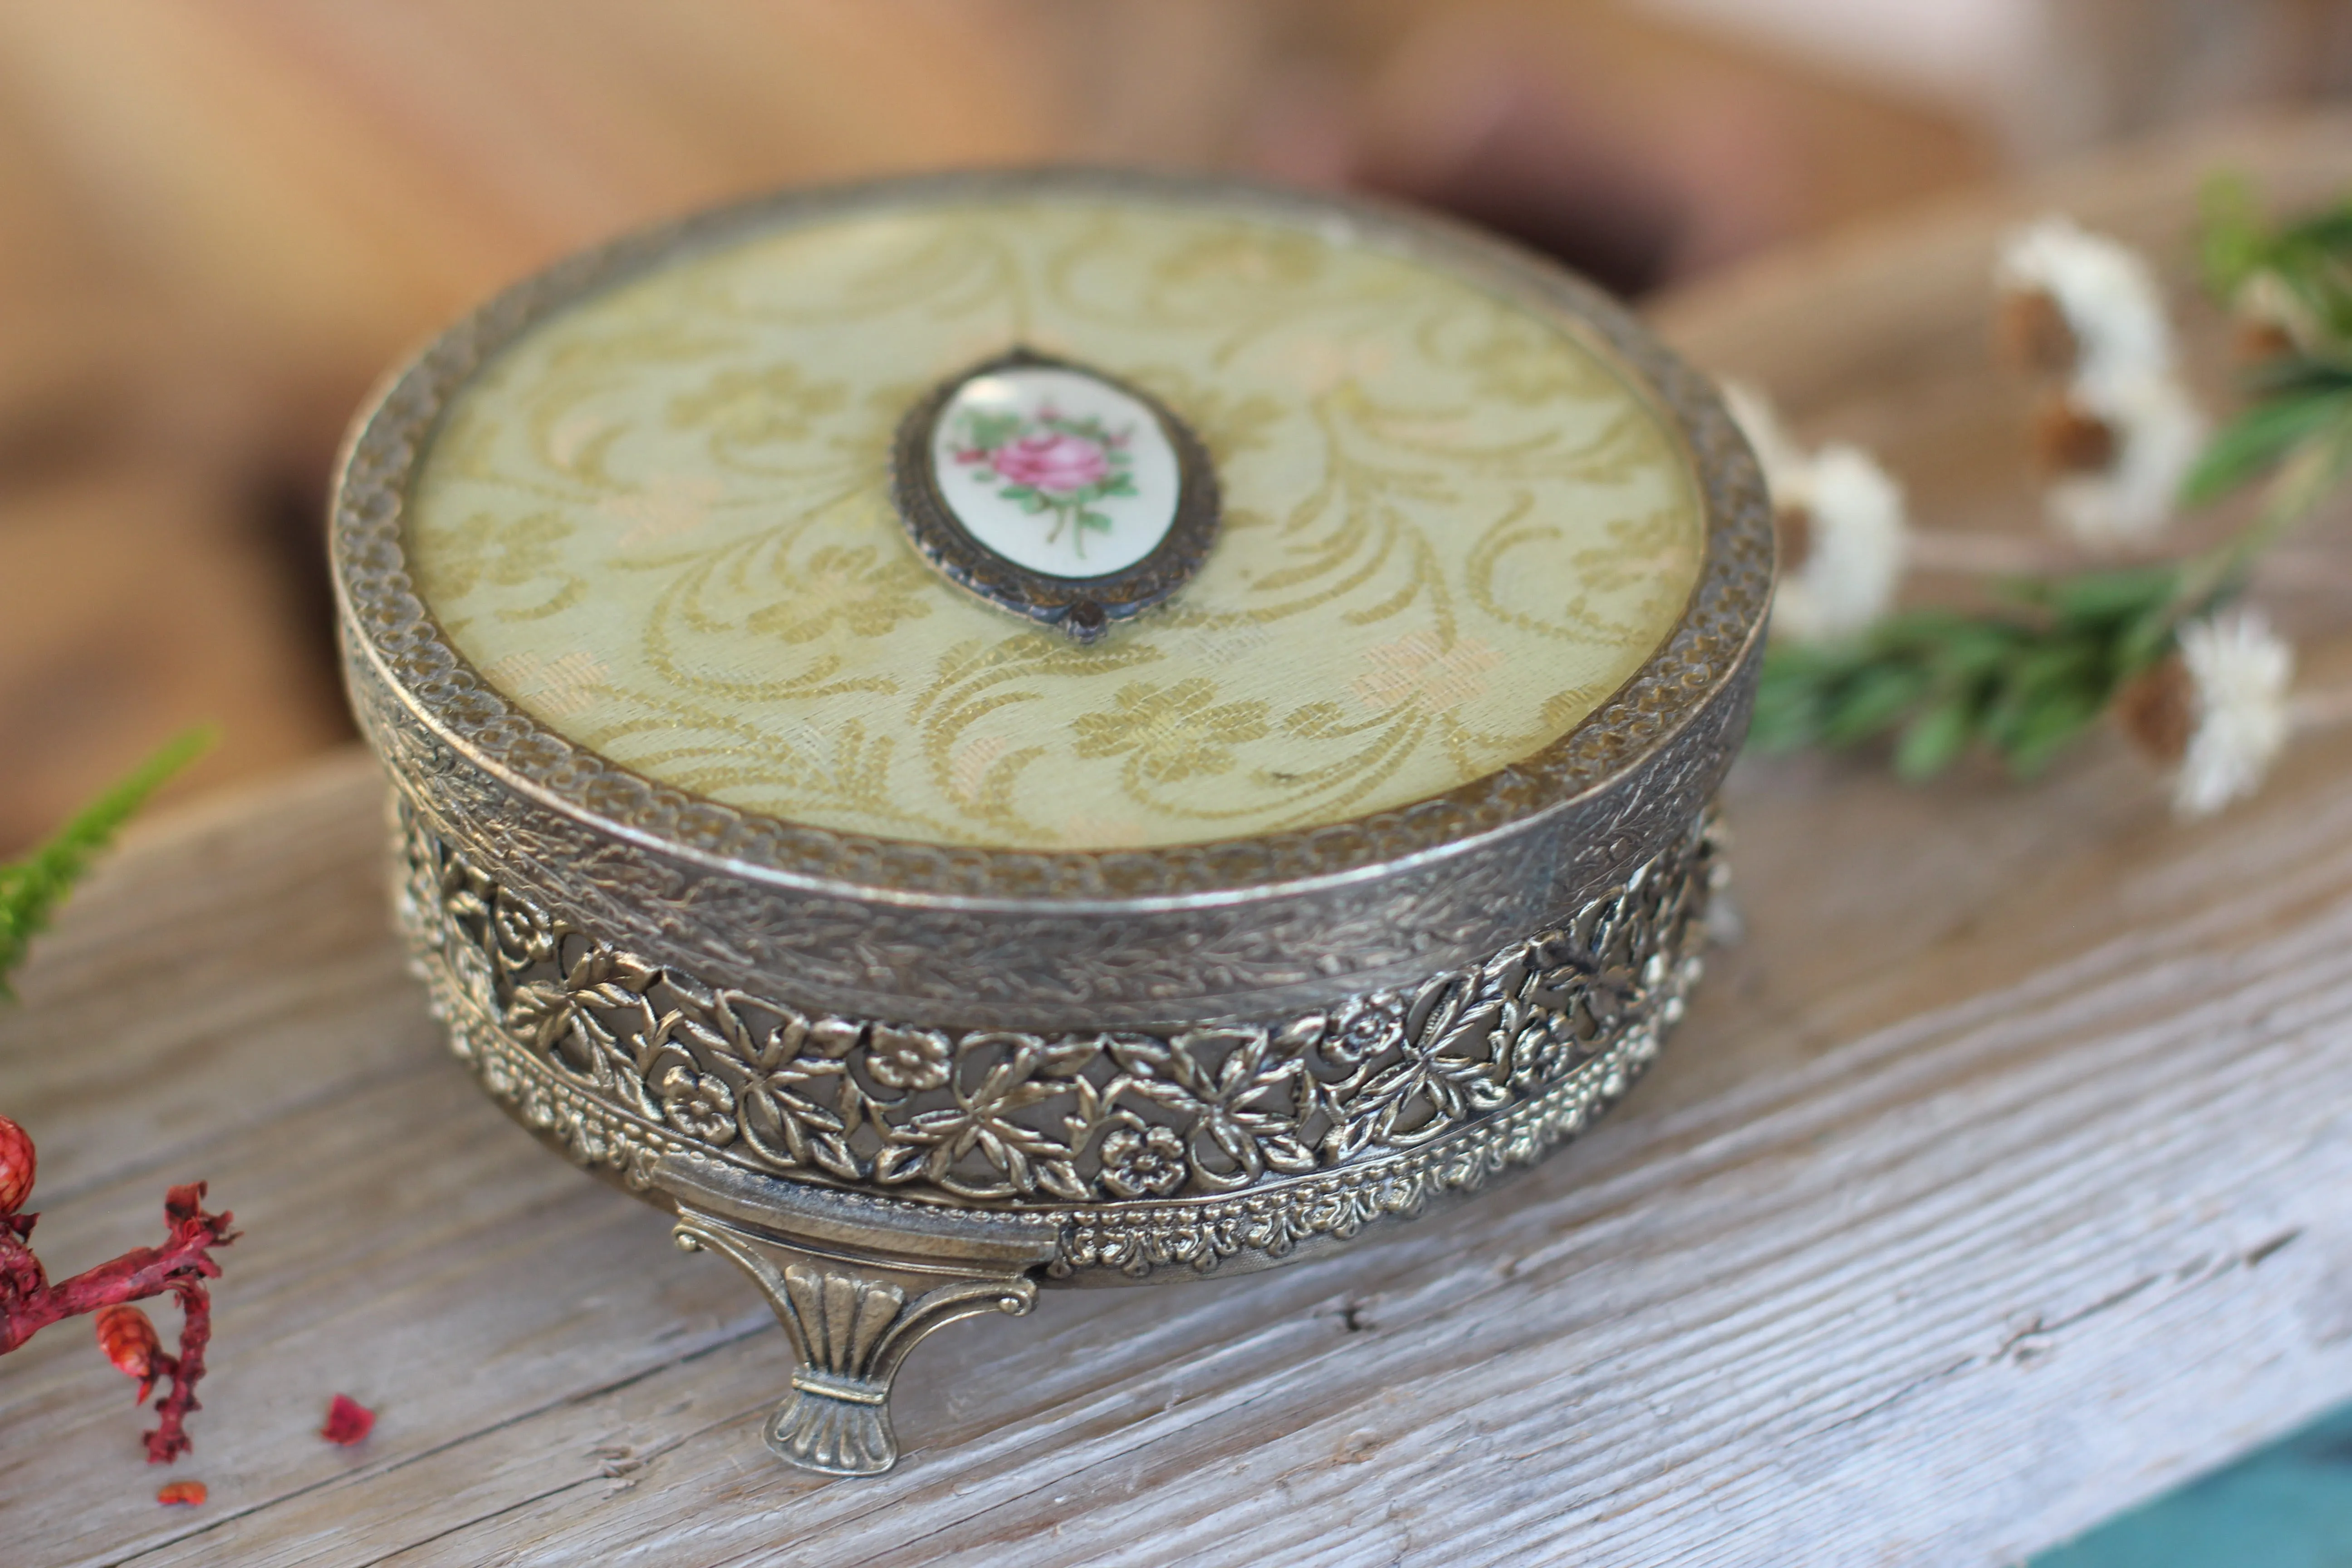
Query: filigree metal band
point(1187, 1145)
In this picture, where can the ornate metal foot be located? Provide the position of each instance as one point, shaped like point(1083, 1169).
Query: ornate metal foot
point(851, 1319)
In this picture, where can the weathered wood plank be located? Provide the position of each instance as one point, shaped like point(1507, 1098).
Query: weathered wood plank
point(1993, 1182)
point(1701, 1291)
point(1774, 1324)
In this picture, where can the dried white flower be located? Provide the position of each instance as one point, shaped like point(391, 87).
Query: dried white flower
point(2240, 671)
point(1842, 528)
point(1855, 547)
point(2105, 292)
point(2157, 434)
point(2121, 385)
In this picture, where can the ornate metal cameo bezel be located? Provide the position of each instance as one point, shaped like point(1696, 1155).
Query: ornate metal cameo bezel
point(1083, 607)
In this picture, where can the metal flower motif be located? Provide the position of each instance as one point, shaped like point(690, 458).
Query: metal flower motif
point(1455, 1065)
point(467, 890)
point(907, 1058)
point(1026, 1071)
point(1363, 1028)
point(567, 1021)
point(1140, 1160)
point(420, 887)
point(524, 933)
point(698, 1104)
point(1125, 1117)
point(1246, 1109)
point(1593, 980)
point(772, 1076)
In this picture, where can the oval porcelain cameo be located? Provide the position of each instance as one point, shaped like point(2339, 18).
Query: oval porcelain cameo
point(1055, 492)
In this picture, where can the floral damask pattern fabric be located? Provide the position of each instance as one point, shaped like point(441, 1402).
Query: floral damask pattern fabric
point(660, 522)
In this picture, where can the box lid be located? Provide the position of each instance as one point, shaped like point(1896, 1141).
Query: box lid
point(1057, 539)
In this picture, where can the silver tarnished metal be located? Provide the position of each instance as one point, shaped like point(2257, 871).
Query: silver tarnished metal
point(898, 1083)
point(850, 1324)
point(1114, 1153)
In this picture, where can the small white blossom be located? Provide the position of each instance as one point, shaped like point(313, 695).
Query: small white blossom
point(2158, 433)
point(2103, 290)
point(1848, 577)
point(2123, 377)
point(2240, 671)
point(1851, 511)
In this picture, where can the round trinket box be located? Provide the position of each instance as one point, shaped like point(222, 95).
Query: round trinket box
point(1040, 728)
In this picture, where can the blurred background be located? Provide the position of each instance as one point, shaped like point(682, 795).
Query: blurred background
point(219, 223)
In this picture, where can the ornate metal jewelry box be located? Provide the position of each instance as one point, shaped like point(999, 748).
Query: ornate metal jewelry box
point(1049, 727)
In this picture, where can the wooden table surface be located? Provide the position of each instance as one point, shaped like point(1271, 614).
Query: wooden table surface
point(1996, 1180)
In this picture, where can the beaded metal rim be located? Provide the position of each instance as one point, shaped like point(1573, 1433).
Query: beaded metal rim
point(1692, 669)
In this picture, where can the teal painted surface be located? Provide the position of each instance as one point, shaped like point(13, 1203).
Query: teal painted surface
point(2288, 1505)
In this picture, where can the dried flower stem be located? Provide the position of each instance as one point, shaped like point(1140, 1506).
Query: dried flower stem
point(2023, 680)
point(29, 1302)
point(30, 891)
point(1949, 553)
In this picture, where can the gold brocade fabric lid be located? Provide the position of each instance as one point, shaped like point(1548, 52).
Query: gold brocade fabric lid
point(1449, 522)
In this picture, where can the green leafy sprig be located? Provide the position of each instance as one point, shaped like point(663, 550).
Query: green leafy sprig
point(2310, 256)
point(2026, 676)
point(2297, 424)
point(32, 888)
point(2022, 680)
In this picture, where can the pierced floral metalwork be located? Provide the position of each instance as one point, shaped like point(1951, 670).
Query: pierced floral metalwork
point(1018, 1118)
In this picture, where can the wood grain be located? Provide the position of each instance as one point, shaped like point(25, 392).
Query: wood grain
point(1994, 1183)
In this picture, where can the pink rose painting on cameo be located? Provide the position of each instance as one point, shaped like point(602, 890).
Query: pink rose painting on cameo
point(1047, 462)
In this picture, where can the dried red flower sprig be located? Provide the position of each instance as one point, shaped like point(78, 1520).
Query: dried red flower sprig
point(128, 1337)
point(29, 1302)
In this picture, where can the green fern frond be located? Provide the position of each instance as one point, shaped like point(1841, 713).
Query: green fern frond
point(32, 888)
